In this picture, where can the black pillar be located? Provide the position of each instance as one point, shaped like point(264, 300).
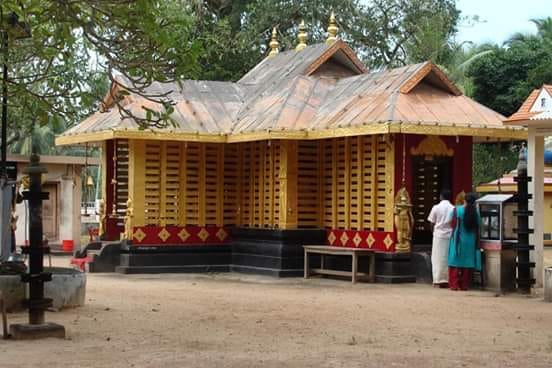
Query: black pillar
point(523, 248)
point(36, 277)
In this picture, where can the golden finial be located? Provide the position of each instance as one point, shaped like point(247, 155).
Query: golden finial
point(302, 36)
point(332, 30)
point(274, 44)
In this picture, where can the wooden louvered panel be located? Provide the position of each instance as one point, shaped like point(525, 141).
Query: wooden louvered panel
point(121, 176)
point(328, 182)
point(193, 183)
point(152, 183)
point(252, 184)
point(246, 187)
point(171, 182)
point(213, 161)
point(268, 186)
point(232, 168)
point(369, 183)
point(308, 184)
point(276, 183)
point(357, 183)
point(381, 204)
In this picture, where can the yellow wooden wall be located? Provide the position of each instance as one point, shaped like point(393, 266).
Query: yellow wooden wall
point(347, 183)
point(175, 183)
point(341, 183)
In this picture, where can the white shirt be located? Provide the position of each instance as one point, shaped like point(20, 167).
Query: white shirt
point(441, 216)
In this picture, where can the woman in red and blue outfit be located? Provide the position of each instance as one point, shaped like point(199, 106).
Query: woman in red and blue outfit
point(464, 255)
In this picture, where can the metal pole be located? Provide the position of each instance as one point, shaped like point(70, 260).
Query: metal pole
point(4, 131)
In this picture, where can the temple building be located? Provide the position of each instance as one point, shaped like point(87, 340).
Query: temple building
point(309, 147)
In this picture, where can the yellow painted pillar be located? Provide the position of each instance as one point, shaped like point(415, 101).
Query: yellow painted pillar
point(288, 185)
point(137, 180)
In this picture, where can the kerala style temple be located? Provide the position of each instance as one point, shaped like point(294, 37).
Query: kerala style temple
point(309, 147)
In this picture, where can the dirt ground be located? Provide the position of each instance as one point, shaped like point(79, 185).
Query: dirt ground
point(232, 320)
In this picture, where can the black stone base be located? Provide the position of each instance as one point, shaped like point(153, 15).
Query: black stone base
point(106, 258)
point(272, 252)
point(394, 268)
point(165, 259)
point(421, 264)
point(34, 332)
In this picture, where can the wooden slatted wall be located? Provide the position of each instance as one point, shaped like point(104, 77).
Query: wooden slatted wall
point(356, 183)
point(183, 183)
point(232, 184)
point(341, 183)
point(121, 176)
point(251, 184)
point(152, 183)
point(308, 184)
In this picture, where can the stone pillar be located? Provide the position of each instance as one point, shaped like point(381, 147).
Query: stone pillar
point(535, 169)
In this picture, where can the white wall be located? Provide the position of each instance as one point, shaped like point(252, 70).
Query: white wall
point(67, 178)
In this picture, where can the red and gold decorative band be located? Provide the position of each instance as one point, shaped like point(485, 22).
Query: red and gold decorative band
point(377, 240)
point(179, 235)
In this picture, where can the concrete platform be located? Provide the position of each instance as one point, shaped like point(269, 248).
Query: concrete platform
point(35, 332)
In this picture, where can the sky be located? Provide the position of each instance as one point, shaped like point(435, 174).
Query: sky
point(500, 18)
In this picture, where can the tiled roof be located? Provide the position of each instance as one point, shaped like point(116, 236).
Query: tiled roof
point(293, 92)
point(524, 112)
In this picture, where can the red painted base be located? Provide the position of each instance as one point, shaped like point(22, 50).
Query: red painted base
point(180, 235)
point(377, 240)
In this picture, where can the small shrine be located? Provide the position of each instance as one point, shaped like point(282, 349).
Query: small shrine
point(309, 147)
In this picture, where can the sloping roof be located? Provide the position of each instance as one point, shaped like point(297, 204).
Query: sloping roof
point(524, 112)
point(295, 95)
point(527, 113)
point(206, 107)
point(507, 184)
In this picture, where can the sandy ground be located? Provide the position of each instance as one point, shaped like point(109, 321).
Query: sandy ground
point(244, 321)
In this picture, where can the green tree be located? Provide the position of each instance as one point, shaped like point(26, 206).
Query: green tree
point(491, 161)
point(55, 75)
point(382, 32)
point(503, 78)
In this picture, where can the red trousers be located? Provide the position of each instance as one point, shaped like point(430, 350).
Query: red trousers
point(459, 278)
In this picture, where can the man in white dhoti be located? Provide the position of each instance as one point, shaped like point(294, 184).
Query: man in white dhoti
point(440, 218)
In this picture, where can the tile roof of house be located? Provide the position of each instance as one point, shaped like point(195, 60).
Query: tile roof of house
point(293, 93)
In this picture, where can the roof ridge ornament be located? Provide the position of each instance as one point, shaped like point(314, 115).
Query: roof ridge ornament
point(302, 37)
point(332, 30)
point(274, 44)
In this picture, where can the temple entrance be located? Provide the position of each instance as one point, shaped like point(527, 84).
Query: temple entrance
point(431, 175)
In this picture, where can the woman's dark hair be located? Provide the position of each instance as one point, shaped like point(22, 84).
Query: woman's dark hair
point(470, 213)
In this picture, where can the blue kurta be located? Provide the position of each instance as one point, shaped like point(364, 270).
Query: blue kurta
point(463, 251)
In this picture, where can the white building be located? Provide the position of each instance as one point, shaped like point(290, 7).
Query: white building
point(61, 213)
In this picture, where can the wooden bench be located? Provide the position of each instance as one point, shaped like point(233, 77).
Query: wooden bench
point(354, 253)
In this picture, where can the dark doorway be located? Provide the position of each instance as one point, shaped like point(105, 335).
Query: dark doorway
point(430, 176)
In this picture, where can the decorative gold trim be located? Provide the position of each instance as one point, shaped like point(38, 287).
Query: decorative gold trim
point(365, 129)
point(274, 44)
point(332, 30)
point(302, 37)
point(432, 146)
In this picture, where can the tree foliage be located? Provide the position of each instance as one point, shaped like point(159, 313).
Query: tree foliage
point(58, 71)
point(382, 32)
point(503, 78)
